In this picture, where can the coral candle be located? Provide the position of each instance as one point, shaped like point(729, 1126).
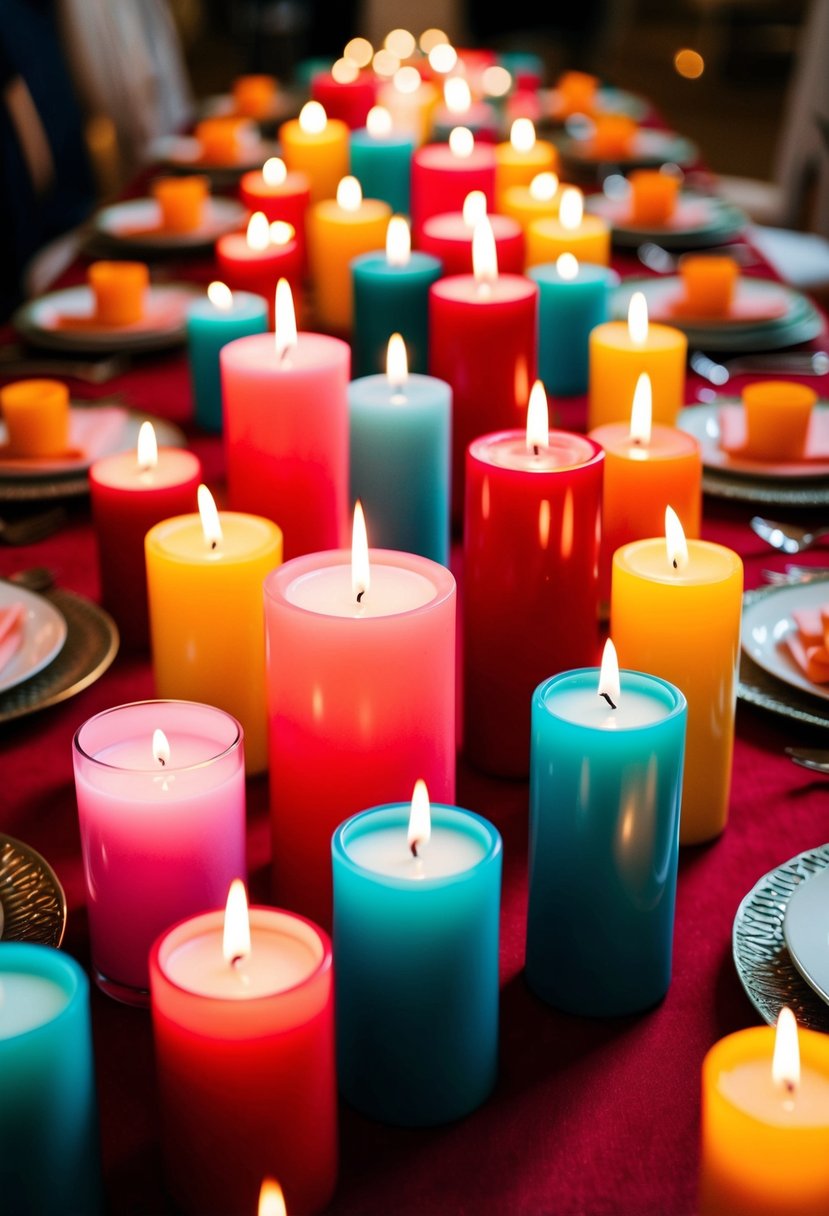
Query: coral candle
point(587, 237)
point(449, 237)
point(339, 230)
point(619, 353)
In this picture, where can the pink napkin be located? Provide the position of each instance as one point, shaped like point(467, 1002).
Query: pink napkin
point(809, 644)
point(11, 632)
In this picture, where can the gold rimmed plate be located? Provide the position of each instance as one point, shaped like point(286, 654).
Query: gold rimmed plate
point(32, 902)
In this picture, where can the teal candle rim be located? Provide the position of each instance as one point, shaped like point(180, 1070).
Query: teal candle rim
point(419, 263)
point(47, 963)
point(673, 698)
point(248, 306)
point(232, 746)
point(396, 814)
point(545, 272)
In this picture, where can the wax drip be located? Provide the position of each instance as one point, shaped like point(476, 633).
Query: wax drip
point(607, 698)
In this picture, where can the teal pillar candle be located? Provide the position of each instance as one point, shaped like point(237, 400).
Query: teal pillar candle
point(383, 166)
point(573, 298)
point(391, 296)
point(605, 788)
point(210, 326)
point(416, 943)
point(400, 454)
point(49, 1157)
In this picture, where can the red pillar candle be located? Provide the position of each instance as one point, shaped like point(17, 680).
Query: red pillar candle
point(281, 194)
point(449, 237)
point(348, 95)
point(443, 175)
point(531, 541)
point(483, 342)
point(130, 492)
point(256, 260)
point(243, 1026)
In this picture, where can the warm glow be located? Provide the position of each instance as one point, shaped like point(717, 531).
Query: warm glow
point(457, 95)
point(312, 118)
point(442, 58)
point(407, 79)
point(461, 142)
point(689, 64)
point(420, 817)
point(397, 364)
point(385, 63)
point(638, 318)
point(220, 295)
point(274, 171)
point(538, 419)
point(284, 319)
point(360, 572)
point(522, 135)
point(675, 542)
point(496, 81)
point(359, 51)
point(349, 194)
point(543, 187)
point(401, 43)
point(236, 935)
point(641, 413)
point(271, 1199)
point(431, 38)
point(609, 686)
point(567, 267)
point(484, 254)
point(344, 71)
point(474, 208)
point(210, 525)
point(281, 232)
point(161, 748)
point(785, 1063)
point(571, 208)
point(398, 241)
point(378, 122)
point(259, 232)
point(146, 448)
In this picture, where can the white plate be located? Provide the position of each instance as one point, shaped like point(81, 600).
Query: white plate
point(767, 621)
point(699, 219)
point(806, 930)
point(44, 632)
point(703, 422)
point(94, 430)
point(134, 224)
point(649, 147)
point(163, 325)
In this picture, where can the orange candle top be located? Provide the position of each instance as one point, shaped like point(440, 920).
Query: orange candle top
point(777, 413)
point(613, 137)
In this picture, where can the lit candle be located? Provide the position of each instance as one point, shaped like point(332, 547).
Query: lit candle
point(521, 158)
point(346, 93)
point(317, 146)
point(539, 200)
point(605, 787)
point(587, 237)
point(286, 430)
point(204, 581)
point(443, 175)
point(361, 692)
point(483, 342)
point(411, 101)
point(282, 195)
point(675, 611)
point(531, 528)
point(765, 1122)
point(160, 787)
point(129, 492)
point(254, 261)
point(574, 297)
point(49, 1155)
point(459, 108)
point(381, 160)
point(243, 1027)
point(449, 237)
point(213, 320)
point(339, 230)
point(620, 351)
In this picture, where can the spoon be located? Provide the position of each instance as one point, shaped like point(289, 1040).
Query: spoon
point(788, 538)
point(814, 758)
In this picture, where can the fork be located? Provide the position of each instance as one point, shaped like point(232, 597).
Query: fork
point(788, 538)
point(32, 527)
point(795, 575)
point(796, 363)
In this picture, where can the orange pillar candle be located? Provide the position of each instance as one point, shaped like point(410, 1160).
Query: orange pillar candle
point(339, 230)
point(587, 237)
point(675, 611)
point(181, 200)
point(777, 414)
point(120, 290)
point(539, 200)
point(765, 1123)
point(254, 96)
point(619, 351)
point(521, 158)
point(220, 139)
point(317, 146)
point(613, 137)
point(653, 197)
point(709, 282)
point(36, 413)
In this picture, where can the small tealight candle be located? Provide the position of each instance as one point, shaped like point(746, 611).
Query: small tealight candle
point(416, 901)
point(339, 230)
point(521, 158)
point(213, 320)
point(443, 175)
point(282, 195)
point(36, 414)
point(620, 351)
point(119, 290)
point(317, 146)
point(381, 160)
point(539, 200)
point(255, 260)
point(587, 237)
point(605, 786)
point(449, 237)
point(653, 197)
point(181, 201)
point(574, 297)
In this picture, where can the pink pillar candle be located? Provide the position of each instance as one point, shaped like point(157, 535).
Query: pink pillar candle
point(449, 238)
point(441, 180)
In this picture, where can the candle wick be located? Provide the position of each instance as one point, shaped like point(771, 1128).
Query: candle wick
point(413, 847)
point(637, 441)
point(214, 544)
point(607, 698)
point(236, 960)
point(162, 761)
point(360, 595)
point(790, 1085)
point(675, 564)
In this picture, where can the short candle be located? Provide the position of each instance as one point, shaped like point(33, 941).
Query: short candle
point(317, 146)
point(618, 354)
point(449, 237)
point(443, 175)
point(587, 237)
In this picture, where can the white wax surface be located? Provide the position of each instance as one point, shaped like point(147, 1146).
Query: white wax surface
point(387, 852)
point(750, 1088)
point(510, 451)
point(137, 753)
point(328, 591)
point(28, 1001)
point(276, 962)
point(587, 708)
point(243, 536)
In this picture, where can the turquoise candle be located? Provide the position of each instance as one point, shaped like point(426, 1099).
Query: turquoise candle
point(49, 1158)
point(383, 166)
point(391, 296)
point(573, 299)
point(416, 944)
point(210, 326)
point(605, 787)
point(400, 437)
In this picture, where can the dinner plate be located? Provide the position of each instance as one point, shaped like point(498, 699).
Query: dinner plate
point(650, 148)
point(700, 221)
point(761, 957)
point(134, 225)
point(181, 154)
point(806, 930)
point(705, 423)
point(758, 688)
point(32, 902)
point(163, 324)
point(609, 100)
point(766, 622)
point(44, 634)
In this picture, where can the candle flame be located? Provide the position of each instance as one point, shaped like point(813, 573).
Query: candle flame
point(785, 1064)
point(236, 935)
point(398, 241)
point(638, 318)
point(349, 194)
point(431, 38)
point(359, 51)
point(407, 79)
point(538, 419)
point(161, 748)
point(609, 683)
point(496, 81)
point(210, 523)
point(400, 42)
point(284, 319)
point(474, 208)
point(571, 209)
point(442, 57)
point(220, 295)
point(385, 63)
point(675, 542)
point(522, 135)
point(146, 448)
point(420, 818)
point(484, 254)
point(543, 187)
point(397, 364)
point(378, 122)
point(281, 232)
point(344, 71)
point(641, 413)
point(271, 1199)
point(259, 232)
point(567, 266)
point(457, 95)
point(461, 142)
point(274, 171)
point(360, 570)
point(312, 118)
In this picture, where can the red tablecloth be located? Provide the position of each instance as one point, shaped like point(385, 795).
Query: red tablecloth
point(588, 1116)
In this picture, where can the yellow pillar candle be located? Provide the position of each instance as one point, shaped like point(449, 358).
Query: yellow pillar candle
point(254, 96)
point(181, 200)
point(317, 146)
point(521, 158)
point(205, 574)
point(36, 413)
point(675, 612)
point(777, 414)
point(709, 282)
point(539, 200)
point(587, 237)
point(339, 230)
point(765, 1123)
point(653, 196)
point(120, 290)
point(619, 351)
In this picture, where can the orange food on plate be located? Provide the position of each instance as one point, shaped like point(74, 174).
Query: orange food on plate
point(613, 137)
point(777, 414)
point(653, 196)
point(221, 139)
point(182, 201)
point(120, 290)
point(253, 96)
point(808, 644)
point(36, 414)
point(576, 93)
point(709, 284)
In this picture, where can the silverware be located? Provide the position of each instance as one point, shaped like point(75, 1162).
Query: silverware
point(15, 362)
point(814, 758)
point(662, 261)
point(795, 363)
point(788, 538)
point(795, 575)
point(32, 528)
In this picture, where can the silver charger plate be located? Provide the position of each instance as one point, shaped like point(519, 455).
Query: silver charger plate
point(32, 902)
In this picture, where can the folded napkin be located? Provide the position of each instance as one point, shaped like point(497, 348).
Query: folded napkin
point(12, 620)
point(808, 644)
point(732, 420)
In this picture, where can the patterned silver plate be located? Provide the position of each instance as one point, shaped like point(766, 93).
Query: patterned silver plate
point(763, 963)
point(32, 902)
point(760, 688)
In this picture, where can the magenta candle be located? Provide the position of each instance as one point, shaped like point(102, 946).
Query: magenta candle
point(361, 702)
point(286, 435)
point(160, 787)
point(531, 549)
point(449, 238)
point(441, 180)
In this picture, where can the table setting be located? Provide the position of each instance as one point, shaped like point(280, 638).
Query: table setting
point(413, 727)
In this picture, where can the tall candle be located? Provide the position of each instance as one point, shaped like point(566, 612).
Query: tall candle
point(381, 160)
point(212, 321)
point(282, 195)
point(317, 146)
point(443, 175)
point(587, 237)
point(254, 261)
point(339, 230)
point(449, 237)
point(618, 354)
point(574, 297)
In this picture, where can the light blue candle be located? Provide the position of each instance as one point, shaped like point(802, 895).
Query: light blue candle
point(400, 437)
point(605, 787)
point(416, 944)
point(383, 166)
point(49, 1158)
point(391, 295)
point(210, 326)
point(573, 299)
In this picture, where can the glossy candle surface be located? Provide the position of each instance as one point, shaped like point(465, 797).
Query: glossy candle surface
point(530, 530)
point(209, 329)
point(449, 237)
point(287, 200)
point(568, 309)
point(617, 362)
point(517, 167)
point(335, 237)
point(548, 238)
point(382, 165)
point(391, 299)
point(348, 101)
point(322, 156)
point(413, 935)
point(605, 787)
point(441, 181)
point(246, 269)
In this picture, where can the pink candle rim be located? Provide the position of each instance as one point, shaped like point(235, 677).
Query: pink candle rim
point(478, 446)
point(234, 744)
